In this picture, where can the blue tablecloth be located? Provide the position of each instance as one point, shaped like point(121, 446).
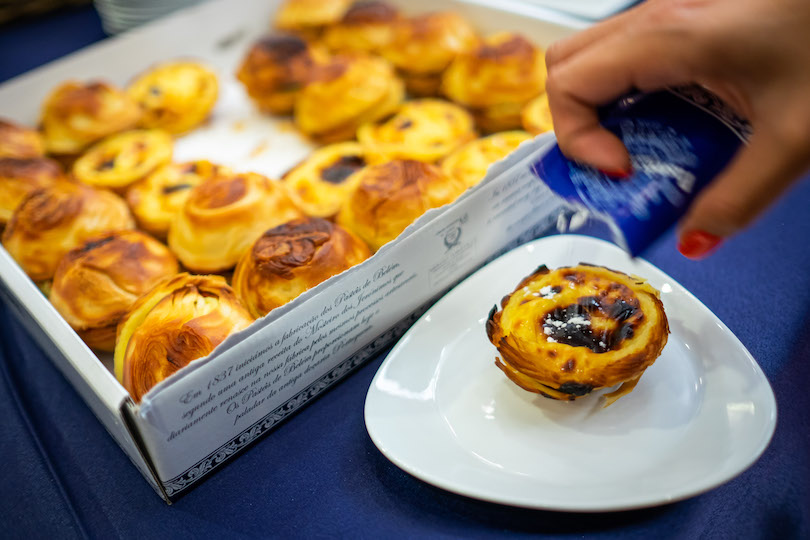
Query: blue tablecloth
point(319, 475)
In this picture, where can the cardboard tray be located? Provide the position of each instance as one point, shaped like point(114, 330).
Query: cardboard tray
point(193, 422)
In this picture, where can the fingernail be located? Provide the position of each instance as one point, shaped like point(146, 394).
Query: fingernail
point(698, 244)
point(617, 174)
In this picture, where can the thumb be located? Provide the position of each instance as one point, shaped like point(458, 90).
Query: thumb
point(756, 177)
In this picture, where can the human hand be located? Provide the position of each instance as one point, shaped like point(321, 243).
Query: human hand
point(755, 54)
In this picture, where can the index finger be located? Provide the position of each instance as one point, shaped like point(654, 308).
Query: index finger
point(601, 73)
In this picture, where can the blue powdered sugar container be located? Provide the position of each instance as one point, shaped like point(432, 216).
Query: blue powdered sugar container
point(678, 139)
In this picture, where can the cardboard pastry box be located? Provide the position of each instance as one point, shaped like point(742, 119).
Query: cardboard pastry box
point(196, 420)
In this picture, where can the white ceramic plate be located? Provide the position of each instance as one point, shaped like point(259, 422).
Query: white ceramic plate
point(441, 410)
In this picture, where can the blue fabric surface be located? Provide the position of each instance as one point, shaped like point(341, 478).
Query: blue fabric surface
point(319, 475)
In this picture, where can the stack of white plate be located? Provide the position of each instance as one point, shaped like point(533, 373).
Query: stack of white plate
point(119, 15)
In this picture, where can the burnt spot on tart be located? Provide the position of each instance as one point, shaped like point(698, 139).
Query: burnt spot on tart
point(515, 47)
point(572, 325)
point(29, 168)
point(106, 164)
point(282, 47)
point(371, 11)
point(168, 190)
point(219, 193)
point(93, 244)
point(288, 246)
point(342, 168)
point(19, 142)
point(46, 209)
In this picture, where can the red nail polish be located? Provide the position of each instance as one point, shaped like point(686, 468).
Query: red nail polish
point(617, 174)
point(698, 244)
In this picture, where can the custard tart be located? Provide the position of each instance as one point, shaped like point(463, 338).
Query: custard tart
point(75, 115)
point(422, 129)
point(292, 258)
point(422, 47)
point(564, 333)
point(157, 198)
point(318, 185)
point(367, 26)
point(175, 96)
point(122, 159)
point(57, 218)
point(223, 216)
point(470, 162)
point(309, 17)
point(388, 197)
point(276, 68)
point(347, 93)
point(96, 284)
point(496, 79)
point(180, 320)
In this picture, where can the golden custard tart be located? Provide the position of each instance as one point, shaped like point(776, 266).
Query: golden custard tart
point(470, 162)
point(292, 258)
point(18, 141)
point(496, 79)
point(96, 284)
point(367, 26)
point(388, 197)
point(536, 115)
point(347, 93)
point(318, 185)
point(276, 68)
point(180, 320)
point(309, 17)
point(75, 115)
point(119, 160)
point(422, 47)
point(423, 129)
point(566, 332)
point(223, 216)
point(157, 198)
point(55, 219)
point(19, 177)
point(175, 96)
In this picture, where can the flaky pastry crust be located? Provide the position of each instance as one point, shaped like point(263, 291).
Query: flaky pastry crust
point(180, 320)
point(292, 258)
point(21, 176)
point(223, 216)
point(53, 220)
point(75, 115)
point(175, 96)
point(96, 284)
point(566, 332)
point(388, 197)
point(21, 142)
